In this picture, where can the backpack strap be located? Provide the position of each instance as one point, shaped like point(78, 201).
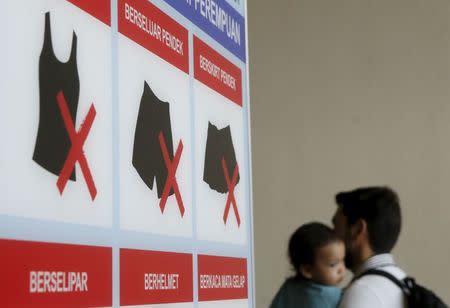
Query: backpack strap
point(404, 287)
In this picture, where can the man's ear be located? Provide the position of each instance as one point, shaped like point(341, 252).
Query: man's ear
point(306, 270)
point(359, 230)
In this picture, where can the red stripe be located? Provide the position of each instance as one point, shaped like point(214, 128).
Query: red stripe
point(76, 151)
point(100, 9)
point(231, 199)
point(171, 170)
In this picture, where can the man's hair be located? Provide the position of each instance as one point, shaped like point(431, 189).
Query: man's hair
point(305, 242)
point(380, 208)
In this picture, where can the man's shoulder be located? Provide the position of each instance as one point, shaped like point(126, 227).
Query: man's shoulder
point(376, 290)
point(378, 282)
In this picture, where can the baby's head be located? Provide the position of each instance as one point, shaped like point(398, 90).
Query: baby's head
point(317, 254)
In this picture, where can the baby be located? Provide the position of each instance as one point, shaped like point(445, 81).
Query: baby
point(317, 256)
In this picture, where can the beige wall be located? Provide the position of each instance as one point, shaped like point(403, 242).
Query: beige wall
point(343, 94)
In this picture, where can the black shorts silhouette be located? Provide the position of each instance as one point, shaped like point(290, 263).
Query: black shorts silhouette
point(153, 118)
point(52, 141)
point(219, 145)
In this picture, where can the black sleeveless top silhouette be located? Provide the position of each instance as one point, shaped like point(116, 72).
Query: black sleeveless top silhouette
point(52, 141)
point(153, 118)
point(219, 145)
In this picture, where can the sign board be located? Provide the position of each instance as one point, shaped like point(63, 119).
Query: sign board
point(125, 165)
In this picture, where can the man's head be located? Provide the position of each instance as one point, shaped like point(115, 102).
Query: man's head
point(369, 221)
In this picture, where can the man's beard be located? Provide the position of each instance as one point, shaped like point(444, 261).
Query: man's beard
point(349, 260)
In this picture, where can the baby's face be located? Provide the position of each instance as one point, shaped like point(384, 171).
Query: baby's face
point(329, 267)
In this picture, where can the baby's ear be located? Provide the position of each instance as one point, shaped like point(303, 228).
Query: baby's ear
point(306, 271)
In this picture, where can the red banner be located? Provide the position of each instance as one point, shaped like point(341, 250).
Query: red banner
point(222, 278)
point(151, 28)
point(153, 277)
point(216, 72)
point(100, 9)
point(55, 275)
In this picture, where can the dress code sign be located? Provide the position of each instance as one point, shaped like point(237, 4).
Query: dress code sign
point(152, 277)
point(125, 158)
point(50, 275)
point(222, 278)
point(217, 72)
point(149, 27)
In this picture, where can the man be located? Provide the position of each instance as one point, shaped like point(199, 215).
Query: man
point(369, 221)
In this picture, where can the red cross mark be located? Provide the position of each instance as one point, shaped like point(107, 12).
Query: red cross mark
point(76, 151)
point(230, 200)
point(172, 169)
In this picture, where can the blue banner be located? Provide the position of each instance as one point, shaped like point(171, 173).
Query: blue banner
point(218, 19)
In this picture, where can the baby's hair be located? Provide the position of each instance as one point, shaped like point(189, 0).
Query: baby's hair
point(305, 242)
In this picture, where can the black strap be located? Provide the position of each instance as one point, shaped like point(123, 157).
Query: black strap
point(389, 276)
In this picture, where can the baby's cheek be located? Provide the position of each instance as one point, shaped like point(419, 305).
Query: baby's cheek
point(336, 274)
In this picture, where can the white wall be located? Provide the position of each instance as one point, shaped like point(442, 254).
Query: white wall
point(349, 93)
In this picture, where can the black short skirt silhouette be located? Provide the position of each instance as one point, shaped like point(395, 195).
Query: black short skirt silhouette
point(219, 144)
point(52, 141)
point(153, 118)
